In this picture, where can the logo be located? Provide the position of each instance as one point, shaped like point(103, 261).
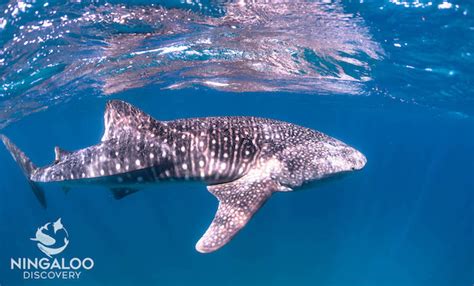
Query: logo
point(52, 239)
point(48, 238)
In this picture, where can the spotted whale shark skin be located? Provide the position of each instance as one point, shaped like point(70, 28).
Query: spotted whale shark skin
point(243, 161)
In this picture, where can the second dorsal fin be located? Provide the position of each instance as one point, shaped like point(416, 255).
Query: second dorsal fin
point(121, 117)
point(59, 154)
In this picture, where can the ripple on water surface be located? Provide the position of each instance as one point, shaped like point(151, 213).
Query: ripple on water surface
point(53, 52)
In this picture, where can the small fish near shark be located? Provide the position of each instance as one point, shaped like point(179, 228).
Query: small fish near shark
point(242, 160)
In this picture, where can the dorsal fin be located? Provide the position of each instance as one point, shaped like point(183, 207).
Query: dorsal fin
point(121, 117)
point(59, 154)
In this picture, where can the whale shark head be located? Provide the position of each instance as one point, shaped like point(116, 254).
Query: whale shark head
point(334, 158)
point(356, 159)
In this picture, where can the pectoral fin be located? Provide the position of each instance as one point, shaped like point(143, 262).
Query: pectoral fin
point(120, 193)
point(238, 202)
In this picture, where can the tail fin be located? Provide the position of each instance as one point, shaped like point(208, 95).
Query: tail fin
point(26, 166)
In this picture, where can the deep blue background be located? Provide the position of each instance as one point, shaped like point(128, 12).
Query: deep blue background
point(406, 219)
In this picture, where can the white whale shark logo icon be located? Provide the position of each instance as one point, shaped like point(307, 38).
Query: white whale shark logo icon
point(46, 238)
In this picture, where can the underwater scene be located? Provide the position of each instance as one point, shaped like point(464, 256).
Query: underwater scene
point(237, 142)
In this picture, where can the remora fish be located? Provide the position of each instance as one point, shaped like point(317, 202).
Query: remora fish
point(243, 160)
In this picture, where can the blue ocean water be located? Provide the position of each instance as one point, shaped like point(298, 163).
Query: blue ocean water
point(393, 79)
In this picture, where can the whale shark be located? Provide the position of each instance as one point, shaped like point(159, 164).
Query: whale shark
point(242, 160)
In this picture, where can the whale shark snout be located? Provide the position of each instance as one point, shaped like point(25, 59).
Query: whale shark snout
point(357, 160)
point(335, 157)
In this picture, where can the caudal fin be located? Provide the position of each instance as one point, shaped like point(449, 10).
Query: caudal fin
point(26, 166)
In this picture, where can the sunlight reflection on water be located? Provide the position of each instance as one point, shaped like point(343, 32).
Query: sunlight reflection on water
point(67, 50)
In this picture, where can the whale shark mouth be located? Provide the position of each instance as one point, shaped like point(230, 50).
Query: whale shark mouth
point(295, 46)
